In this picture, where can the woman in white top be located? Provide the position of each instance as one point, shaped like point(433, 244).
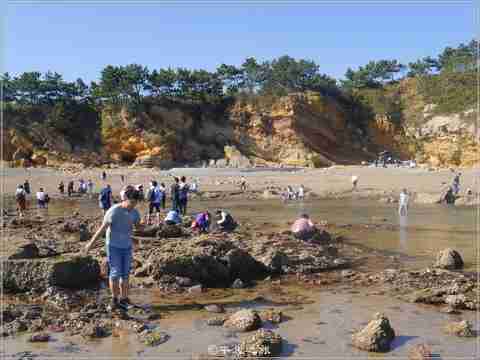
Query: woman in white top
point(41, 199)
point(403, 203)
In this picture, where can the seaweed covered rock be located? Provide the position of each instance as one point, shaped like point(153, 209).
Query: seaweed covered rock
point(75, 273)
point(263, 343)
point(38, 275)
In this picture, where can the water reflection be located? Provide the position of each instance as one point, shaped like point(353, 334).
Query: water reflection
point(403, 232)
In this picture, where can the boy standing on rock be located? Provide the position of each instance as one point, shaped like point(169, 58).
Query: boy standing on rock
point(119, 222)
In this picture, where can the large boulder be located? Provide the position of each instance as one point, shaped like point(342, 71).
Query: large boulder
point(206, 269)
point(26, 275)
point(244, 320)
point(262, 344)
point(243, 266)
point(449, 259)
point(76, 273)
point(170, 231)
point(376, 336)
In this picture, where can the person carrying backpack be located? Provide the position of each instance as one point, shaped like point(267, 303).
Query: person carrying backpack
point(183, 195)
point(105, 198)
point(155, 197)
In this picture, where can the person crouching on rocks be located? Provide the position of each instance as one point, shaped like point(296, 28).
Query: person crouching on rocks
point(118, 223)
point(303, 228)
point(226, 221)
point(201, 222)
point(173, 218)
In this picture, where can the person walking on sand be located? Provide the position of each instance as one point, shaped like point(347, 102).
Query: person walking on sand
point(456, 184)
point(119, 222)
point(354, 182)
point(21, 200)
point(104, 175)
point(403, 203)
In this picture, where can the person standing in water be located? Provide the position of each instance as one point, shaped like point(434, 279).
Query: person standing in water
point(354, 182)
point(403, 203)
point(301, 192)
point(70, 188)
point(119, 222)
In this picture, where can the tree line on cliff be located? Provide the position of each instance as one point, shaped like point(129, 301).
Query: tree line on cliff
point(447, 80)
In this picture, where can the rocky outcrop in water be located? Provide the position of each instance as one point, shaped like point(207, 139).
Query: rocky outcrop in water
point(26, 275)
point(243, 321)
point(376, 336)
point(449, 259)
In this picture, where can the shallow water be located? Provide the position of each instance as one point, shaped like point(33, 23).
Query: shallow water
point(426, 230)
point(321, 326)
point(321, 329)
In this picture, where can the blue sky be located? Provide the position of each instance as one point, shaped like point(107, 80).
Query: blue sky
point(79, 40)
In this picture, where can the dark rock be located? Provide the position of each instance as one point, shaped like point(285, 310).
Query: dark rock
point(243, 266)
point(449, 259)
point(216, 321)
point(25, 275)
point(170, 231)
point(76, 273)
point(238, 284)
point(28, 251)
point(275, 261)
point(148, 231)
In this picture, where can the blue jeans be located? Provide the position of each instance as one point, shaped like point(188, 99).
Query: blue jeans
point(119, 262)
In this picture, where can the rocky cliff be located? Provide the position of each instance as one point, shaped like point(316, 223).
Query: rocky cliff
point(304, 129)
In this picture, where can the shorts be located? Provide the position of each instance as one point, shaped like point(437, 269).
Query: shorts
point(42, 203)
point(119, 262)
point(153, 206)
point(170, 222)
